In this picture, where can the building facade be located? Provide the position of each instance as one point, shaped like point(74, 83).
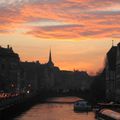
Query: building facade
point(118, 74)
point(111, 73)
point(9, 69)
point(25, 77)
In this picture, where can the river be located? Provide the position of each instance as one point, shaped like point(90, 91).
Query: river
point(55, 109)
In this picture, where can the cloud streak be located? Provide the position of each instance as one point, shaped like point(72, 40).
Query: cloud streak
point(88, 18)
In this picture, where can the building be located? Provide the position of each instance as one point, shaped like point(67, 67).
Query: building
point(118, 74)
point(23, 77)
point(29, 81)
point(50, 72)
point(9, 69)
point(110, 70)
point(113, 74)
point(38, 76)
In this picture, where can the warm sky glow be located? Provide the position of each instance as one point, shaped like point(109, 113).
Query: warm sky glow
point(79, 31)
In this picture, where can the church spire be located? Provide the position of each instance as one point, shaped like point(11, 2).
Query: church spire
point(50, 63)
point(50, 56)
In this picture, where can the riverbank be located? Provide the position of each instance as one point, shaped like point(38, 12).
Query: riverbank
point(13, 110)
point(17, 109)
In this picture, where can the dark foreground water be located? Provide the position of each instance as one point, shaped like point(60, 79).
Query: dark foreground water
point(55, 111)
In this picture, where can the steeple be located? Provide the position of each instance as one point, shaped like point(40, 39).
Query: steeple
point(50, 63)
point(50, 56)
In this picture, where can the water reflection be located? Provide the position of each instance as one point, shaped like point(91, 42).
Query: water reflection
point(53, 111)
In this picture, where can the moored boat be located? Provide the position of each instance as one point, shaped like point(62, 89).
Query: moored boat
point(107, 114)
point(82, 106)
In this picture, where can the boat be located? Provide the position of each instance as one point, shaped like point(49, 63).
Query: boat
point(108, 105)
point(107, 114)
point(82, 106)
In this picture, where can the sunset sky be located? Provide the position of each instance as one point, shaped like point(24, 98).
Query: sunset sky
point(79, 32)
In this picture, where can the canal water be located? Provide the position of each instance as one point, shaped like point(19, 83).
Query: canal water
point(55, 109)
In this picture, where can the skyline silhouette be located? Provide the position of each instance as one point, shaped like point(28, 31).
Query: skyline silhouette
point(75, 66)
point(79, 33)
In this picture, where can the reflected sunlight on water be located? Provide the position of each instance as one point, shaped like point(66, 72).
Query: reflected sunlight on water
point(53, 111)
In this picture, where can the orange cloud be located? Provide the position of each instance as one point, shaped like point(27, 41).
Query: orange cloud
point(88, 18)
point(63, 20)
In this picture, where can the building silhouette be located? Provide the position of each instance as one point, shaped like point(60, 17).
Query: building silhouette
point(118, 74)
point(111, 73)
point(22, 77)
point(112, 68)
point(9, 69)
